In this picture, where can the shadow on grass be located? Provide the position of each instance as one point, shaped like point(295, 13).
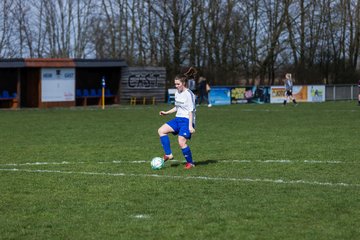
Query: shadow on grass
point(197, 163)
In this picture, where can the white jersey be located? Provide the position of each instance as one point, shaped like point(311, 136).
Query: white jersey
point(185, 103)
point(288, 85)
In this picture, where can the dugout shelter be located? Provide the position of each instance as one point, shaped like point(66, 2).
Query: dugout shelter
point(60, 82)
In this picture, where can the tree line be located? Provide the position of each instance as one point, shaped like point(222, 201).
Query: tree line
point(230, 41)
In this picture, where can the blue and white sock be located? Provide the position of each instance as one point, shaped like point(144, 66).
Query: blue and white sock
point(165, 142)
point(187, 154)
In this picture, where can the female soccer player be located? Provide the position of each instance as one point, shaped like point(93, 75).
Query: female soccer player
point(183, 124)
point(289, 89)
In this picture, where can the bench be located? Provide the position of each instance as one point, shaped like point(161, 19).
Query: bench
point(92, 97)
point(143, 100)
point(11, 101)
point(171, 95)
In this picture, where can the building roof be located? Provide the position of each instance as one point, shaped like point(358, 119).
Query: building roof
point(49, 62)
point(60, 62)
point(100, 63)
point(12, 63)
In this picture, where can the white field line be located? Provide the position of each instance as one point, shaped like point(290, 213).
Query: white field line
point(282, 161)
point(141, 216)
point(223, 179)
point(148, 161)
point(40, 163)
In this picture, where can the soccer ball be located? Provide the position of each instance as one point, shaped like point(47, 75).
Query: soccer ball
point(157, 163)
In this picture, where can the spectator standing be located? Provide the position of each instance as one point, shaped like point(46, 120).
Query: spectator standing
point(191, 84)
point(204, 89)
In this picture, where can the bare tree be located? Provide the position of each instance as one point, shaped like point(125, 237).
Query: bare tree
point(36, 29)
point(111, 26)
point(7, 29)
point(228, 40)
point(245, 39)
point(130, 33)
point(83, 16)
point(58, 19)
point(273, 23)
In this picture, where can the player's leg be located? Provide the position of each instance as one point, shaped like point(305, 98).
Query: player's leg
point(163, 132)
point(184, 135)
point(286, 98)
point(186, 152)
point(293, 99)
point(201, 97)
point(208, 100)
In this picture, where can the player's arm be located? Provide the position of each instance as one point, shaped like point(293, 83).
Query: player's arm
point(168, 112)
point(192, 107)
point(191, 128)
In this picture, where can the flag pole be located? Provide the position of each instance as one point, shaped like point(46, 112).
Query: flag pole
point(103, 93)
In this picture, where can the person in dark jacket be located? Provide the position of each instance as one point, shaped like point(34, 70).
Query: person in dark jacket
point(203, 89)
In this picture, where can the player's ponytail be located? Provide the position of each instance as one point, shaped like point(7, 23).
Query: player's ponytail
point(191, 73)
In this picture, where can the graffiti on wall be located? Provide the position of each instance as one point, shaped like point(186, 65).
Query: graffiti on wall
point(144, 80)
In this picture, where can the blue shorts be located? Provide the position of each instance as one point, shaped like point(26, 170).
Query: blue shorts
point(180, 126)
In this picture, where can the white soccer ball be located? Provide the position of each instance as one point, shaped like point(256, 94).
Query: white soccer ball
point(157, 163)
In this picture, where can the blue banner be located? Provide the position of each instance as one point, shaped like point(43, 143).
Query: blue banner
point(220, 96)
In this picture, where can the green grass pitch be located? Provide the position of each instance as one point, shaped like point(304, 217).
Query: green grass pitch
point(263, 172)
